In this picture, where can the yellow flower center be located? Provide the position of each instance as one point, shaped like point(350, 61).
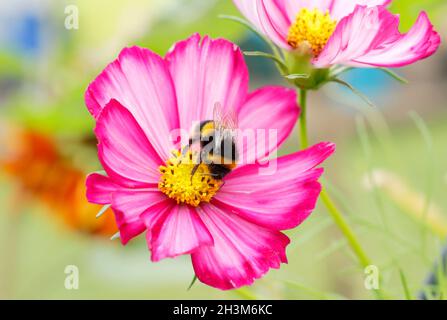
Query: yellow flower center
point(311, 28)
point(178, 183)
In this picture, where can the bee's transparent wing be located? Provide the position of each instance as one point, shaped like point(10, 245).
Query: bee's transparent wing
point(231, 120)
point(226, 125)
point(218, 116)
point(225, 119)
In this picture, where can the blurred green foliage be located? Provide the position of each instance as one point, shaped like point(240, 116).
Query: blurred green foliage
point(409, 10)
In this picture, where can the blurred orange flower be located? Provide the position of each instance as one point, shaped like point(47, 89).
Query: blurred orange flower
point(35, 162)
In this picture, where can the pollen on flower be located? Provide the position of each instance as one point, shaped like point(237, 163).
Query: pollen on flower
point(312, 28)
point(178, 183)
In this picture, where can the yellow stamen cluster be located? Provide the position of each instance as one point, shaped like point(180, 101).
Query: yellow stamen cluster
point(312, 28)
point(178, 183)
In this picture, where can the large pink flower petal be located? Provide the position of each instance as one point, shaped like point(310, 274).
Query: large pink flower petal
point(179, 231)
point(270, 17)
point(279, 200)
point(336, 8)
point(153, 214)
point(206, 72)
point(100, 189)
point(242, 251)
point(371, 37)
point(128, 230)
point(341, 8)
point(293, 7)
point(129, 204)
point(124, 151)
point(140, 81)
point(266, 119)
point(273, 18)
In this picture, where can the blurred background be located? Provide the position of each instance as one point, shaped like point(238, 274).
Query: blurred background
point(389, 174)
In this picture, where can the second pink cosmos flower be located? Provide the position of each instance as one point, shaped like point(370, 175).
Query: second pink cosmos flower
point(232, 232)
point(358, 33)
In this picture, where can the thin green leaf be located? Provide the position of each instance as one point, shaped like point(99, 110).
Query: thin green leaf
point(402, 242)
point(370, 227)
point(245, 293)
point(354, 90)
point(335, 72)
point(428, 293)
point(332, 248)
point(394, 75)
point(194, 279)
point(248, 25)
point(403, 279)
point(310, 234)
point(312, 292)
point(243, 22)
point(103, 210)
point(365, 142)
point(424, 130)
point(442, 283)
point(430, 176)
point(266, 55)
point(297, 76)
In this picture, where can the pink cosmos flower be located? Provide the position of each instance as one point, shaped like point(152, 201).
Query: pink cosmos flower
point(231, 228)
point(357, 33)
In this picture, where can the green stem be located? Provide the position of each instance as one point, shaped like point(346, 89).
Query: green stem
point(336, 215)
point(340, 221)
point(303, 119)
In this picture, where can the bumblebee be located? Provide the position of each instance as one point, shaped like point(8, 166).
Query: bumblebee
point(217, 141)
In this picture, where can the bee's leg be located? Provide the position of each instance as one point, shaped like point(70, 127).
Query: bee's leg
point(221, 186)
point(200, 156)
point(187, 147)
point(194, 170)
point(218, 177)
point(185, 150)
point(213, 175)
